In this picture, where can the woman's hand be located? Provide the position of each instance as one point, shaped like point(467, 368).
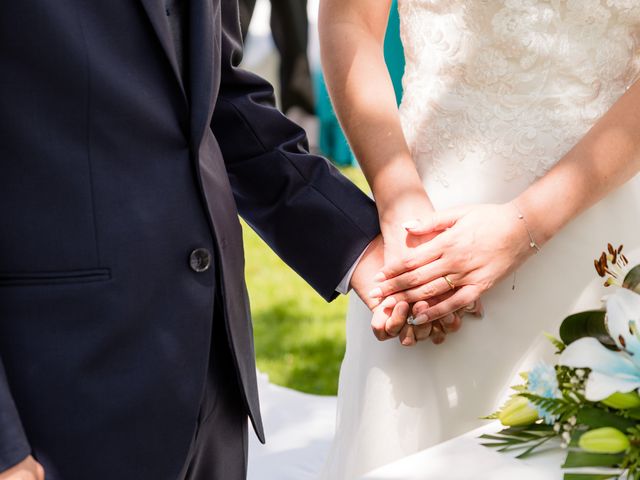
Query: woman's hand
point(398, 243)
point(390, 317)
point(476, 247)
point(395, 217)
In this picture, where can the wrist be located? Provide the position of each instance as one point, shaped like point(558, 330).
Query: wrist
point(397, 185)
point(526, 242)
point(534, 221)
point(407, 206)
point(368, 266)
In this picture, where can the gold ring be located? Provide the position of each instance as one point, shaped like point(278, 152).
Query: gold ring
point(451, 284)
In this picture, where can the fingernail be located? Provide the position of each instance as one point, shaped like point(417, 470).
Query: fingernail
point(407, 342)
point(421, 319)
point(379, 277)
point(376, 293)
point(389, 302)
point(410, 225)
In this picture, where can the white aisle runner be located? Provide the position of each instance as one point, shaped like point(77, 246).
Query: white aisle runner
point(299, 430)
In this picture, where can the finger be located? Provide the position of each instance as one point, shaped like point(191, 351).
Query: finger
point(380, 317)
point(427, 291)
point(397, 320)
point(420, 307)
point(476, 309)
point(422, 332)
point(437, 334)
point(418, 256)
point(382, 302)
point(407, 337)
point(423, 305)
point(413, 279)
point(461, 298)
point(437, 222)
point(451, 323)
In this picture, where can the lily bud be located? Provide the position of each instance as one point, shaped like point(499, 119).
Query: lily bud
point(604, 440)
point(622, 401)
point(518, 412)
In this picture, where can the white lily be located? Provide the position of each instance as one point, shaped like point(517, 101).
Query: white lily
point(611, 371)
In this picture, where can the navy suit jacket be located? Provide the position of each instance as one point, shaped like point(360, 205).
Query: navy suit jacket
point(112, 170)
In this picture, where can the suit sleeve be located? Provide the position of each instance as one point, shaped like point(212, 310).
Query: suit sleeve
point(316, 220)
point(13, 442)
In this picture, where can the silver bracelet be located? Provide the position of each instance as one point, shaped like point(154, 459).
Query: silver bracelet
point(532, 241)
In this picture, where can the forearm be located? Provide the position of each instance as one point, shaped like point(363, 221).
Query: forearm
point(308, 213)
point(607, 157)
point(363, 96)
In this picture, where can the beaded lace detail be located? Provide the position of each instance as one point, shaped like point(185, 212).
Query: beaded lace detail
point(512, 82)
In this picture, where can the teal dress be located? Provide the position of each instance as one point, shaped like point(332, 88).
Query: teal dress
point(333, 143)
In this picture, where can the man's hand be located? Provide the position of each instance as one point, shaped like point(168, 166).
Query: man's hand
point(389, 318)
point(28, 469)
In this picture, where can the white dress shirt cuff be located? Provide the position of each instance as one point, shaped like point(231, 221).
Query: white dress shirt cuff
point(345, 285)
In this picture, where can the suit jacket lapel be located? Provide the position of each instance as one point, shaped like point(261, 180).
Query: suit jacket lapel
point(201, 53)
point(156, 13)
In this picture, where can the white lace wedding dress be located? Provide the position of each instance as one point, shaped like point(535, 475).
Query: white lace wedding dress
point(496, 92)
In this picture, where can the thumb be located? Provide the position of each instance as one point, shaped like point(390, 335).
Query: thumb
point(438, 222)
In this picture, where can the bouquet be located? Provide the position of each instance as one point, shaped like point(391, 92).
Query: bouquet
point(589, 399)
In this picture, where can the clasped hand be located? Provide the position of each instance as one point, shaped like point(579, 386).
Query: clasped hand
point(28, 469)
point(425, 293)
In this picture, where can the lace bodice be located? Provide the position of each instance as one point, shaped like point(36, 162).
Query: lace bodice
point(512, 84)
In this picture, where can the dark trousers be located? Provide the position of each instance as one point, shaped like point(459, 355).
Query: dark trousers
point(290, 30)
point(219, 447)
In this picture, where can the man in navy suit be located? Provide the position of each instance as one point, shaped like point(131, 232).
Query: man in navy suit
point(289, 29)
point(129, 142)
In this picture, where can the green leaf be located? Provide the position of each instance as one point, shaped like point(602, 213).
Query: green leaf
point(496, 444)
point(527, 438)
point(589, 476)
point(493, 416)
point(533, 448)
point(596, 418)
point(632, 279)
point(586, 324)
point(576, 459)
point(510, 448)
point(503, 438)
point(575, 437)
point(565, 406)
point(536, 427)
point(556, 342)
point(633, 413)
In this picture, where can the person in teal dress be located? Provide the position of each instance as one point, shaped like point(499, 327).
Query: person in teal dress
point(332, 142)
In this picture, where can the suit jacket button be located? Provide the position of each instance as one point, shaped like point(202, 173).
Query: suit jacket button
point(200, 260)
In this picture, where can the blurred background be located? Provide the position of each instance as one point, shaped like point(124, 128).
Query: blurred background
point(300, 339)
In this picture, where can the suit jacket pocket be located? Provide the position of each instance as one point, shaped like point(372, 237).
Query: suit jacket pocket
point(54, 278)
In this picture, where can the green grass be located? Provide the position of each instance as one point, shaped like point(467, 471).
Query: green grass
point(300, 338)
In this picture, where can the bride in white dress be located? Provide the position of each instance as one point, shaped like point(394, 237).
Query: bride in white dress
point(529, 105)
